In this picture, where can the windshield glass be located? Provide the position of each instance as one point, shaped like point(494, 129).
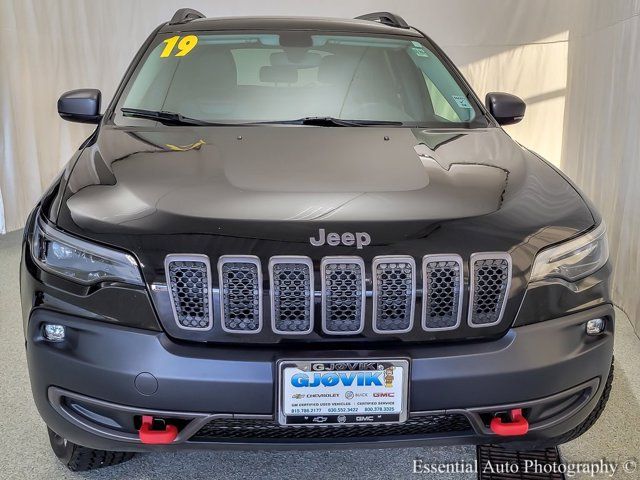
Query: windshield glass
point(245, 78)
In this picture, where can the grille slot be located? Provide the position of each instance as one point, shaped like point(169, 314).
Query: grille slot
point(394, 293)
point(343, 295)
point(265, 430)
point(490, 282)
point(189, 282)
point(292, 297)
point(442, 286)
point(240, 293)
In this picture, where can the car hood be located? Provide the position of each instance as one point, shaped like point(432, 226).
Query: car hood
point(270, 190)
point(285, 182)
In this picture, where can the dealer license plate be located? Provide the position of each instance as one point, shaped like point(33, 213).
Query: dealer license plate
point(342, 392)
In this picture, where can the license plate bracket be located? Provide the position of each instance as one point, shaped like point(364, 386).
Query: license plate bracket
point(342, 392)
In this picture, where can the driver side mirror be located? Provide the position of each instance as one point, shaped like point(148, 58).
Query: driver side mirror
point(507, 109)
point(82, 106)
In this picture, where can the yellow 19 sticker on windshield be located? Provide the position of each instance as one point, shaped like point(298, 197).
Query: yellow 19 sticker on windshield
point(184, 45)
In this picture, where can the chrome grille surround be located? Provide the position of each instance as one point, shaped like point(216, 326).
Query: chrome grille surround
point(490, 279)
point(343, 295)
point(189, 286)
point(394, 293)
point(442, 284)
point(292, 295)
point(240, 278)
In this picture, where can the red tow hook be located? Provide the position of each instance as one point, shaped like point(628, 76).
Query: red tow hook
point(156, 437)
point(516, 427)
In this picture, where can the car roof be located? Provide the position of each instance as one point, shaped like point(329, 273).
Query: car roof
point(288, 23)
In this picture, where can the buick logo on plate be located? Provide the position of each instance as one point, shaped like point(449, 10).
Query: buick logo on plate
point(348, 239)
point(342, 419)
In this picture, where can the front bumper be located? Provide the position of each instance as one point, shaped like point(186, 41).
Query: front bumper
point(91, 387)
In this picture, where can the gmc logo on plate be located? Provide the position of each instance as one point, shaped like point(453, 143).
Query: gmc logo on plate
point(365, 419)
point(348, 239)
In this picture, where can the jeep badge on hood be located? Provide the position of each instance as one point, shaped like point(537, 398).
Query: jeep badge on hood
point(348, 239)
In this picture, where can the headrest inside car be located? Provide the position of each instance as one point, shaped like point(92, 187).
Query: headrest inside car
point(273, 74)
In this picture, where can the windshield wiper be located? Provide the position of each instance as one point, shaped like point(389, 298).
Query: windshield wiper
point(172, 118)
point(334, 122)
point(168, 118)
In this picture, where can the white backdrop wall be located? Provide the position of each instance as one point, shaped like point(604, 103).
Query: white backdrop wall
point(575, 62)
point(601, 140)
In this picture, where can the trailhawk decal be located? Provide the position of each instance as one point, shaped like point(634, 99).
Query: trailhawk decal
point(348, 239)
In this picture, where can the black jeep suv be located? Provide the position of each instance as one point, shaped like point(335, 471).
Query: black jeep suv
point(305, 233)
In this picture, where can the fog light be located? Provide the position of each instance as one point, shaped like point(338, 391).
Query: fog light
point(595, 326)
point(54, 333)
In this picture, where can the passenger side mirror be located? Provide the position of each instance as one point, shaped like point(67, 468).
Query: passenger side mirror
point(81, 105)
point(507, 109)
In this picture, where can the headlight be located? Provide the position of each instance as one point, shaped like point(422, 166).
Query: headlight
point(80, 261)
point(575, 259)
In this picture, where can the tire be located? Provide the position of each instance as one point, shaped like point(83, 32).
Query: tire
point(81, 459)
point(577, 431)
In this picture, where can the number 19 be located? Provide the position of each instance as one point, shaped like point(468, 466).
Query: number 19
point(185, 45)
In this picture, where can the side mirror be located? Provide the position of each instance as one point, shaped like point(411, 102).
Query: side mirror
point(81, 106)
point(506, 109)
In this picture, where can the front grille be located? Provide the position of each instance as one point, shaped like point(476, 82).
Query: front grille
point(343, 295)
point(250, 429)
point(442, 299)
point(291, 294)
point(490, 281)
point(241, 293)
point(394, 294)
point(342, 288)
point(189, 280)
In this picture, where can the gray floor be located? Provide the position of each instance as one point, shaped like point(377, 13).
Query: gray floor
point(25, 453)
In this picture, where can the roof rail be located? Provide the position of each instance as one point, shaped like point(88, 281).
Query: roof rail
point(185, 15)
point(386, 18)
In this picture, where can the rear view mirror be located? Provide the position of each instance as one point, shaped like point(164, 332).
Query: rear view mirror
point(81, 105)
point(507, 109)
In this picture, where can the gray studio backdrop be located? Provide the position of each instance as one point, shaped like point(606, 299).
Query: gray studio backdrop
point(575, 62)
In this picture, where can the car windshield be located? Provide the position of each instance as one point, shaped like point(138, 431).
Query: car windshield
point(295, 77)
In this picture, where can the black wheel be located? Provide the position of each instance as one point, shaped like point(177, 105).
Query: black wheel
point(80, 459)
